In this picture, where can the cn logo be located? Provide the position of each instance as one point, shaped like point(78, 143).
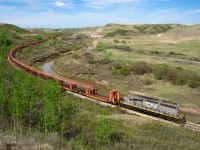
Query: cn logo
point(151, 105)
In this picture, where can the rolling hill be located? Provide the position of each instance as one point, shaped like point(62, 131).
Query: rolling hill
point(10, 27)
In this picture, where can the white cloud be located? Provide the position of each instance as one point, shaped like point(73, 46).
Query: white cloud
point(59, 4)
point(50, 11)
point(7, 8)
point(103, 3)
point(195, 11)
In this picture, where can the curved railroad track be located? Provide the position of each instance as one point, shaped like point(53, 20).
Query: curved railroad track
point(86, 90)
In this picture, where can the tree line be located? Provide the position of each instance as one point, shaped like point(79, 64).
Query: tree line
point(35, 104)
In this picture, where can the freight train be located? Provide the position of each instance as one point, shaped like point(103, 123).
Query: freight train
point(163, 109)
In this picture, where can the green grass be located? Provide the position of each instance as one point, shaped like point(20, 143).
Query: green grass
point(154, 59)
point(186, 97)
point(11, 27)
point(145, 133)
point(133, 132)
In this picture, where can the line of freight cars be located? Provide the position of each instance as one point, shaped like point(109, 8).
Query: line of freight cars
point(67, 84)
point(163, 109)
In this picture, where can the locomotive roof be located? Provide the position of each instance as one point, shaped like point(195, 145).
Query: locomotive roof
point(142, 97)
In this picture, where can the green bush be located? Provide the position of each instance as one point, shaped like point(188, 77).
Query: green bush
point(147, 81)
point(182, 78)
point(101, 46)
point(122, 48)
point(176, 75)
point(103, 131)
point(171, 74)
point(140, 68)
point(122, 32)
point(117, 66)
point(37, 38)
point(160, 71)
point(124, 42)
point(194, 81)
point(4, 39)
point(75, 56)
point(125, 71)
point(155, 52)
point(173, 53)
point(116, 41)
point(104, 61)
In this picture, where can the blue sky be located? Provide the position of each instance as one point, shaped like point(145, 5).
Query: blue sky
point(83, 13)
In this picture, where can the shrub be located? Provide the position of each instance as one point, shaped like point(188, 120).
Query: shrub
point(75, 56)
point(182, 78)
point(107, 54)
point(123, 32)
point(140, 68)
point(4, 39)
point(122, 48)
point(88, 55)
point(115, 72)
point(125, 71)
point(103, 131)
point(194, 81)
point(173, 53)
point(171, 74)
point(104, 61)
point(116, 41)
point(101, 46)
point(117, 66)
point(37, 38)
point(160, 71)
point(147, 81)
point(176, 75)
point(155, 52)
point(124, 42)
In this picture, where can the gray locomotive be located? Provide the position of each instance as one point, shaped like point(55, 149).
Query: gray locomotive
point(151, 106)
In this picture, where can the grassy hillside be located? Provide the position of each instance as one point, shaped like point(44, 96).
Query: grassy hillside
point(128, 62)
point(11, 27)
point(191, 32)
point(37, 114)
point(111, 30)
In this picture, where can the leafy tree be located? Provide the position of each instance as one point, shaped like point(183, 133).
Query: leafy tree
point(2, 98)
point(103, 131)
point(50, 105)
point(37, 38)
point(4, 39)
point(68, 110)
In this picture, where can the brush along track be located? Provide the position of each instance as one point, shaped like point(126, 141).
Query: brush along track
point(124, 109)
point(61, 80)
